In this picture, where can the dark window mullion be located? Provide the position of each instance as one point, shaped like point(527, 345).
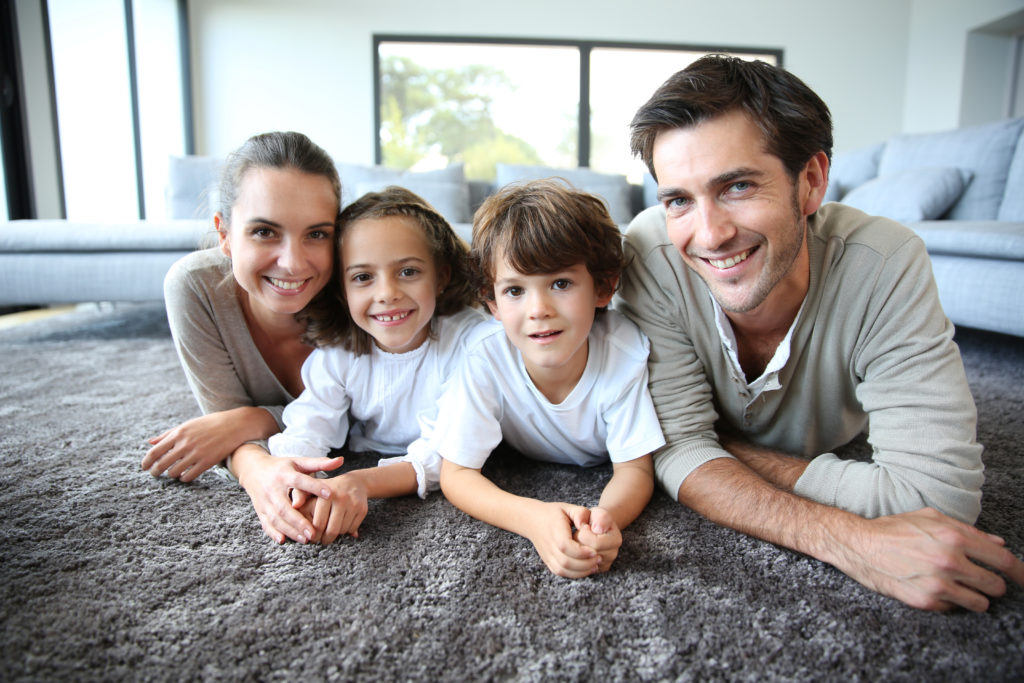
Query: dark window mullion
point(133, 86)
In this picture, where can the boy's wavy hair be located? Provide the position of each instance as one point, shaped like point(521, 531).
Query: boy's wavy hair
point(544, 226)
point(327, 318)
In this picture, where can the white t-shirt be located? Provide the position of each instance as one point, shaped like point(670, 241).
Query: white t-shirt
point(374, 400)
point(608, 415)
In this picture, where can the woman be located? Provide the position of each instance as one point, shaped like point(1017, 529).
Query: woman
point(234, 315)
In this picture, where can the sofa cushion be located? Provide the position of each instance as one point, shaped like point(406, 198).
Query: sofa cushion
point(852, 169)
point(982, 239)
point(449, 199)
point(56, 236)
point(918, 194)
point(1012, 206)
point(612, 188)
point(356, 177)
point(192, 186)
point(984, 150)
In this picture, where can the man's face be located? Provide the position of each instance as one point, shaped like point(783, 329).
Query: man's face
point(734, 214)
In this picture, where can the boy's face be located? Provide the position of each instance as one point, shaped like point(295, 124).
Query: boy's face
point(548, 318)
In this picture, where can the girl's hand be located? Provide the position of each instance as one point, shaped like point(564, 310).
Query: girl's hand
point(551, 534)
point(601, 534)
point(342, 513)
point(268, 481)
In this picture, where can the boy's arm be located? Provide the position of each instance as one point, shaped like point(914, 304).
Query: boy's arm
point(547, 525)
point(629, 490)
point(624, 497)
point(345, 510)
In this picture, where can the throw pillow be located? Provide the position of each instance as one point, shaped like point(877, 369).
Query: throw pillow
point(192, 186)
point(612, 188)
point(918, 194)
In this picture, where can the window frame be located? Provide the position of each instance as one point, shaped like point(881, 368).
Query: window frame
point(585, 48)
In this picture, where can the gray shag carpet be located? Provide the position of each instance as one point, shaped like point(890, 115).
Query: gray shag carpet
point(109, 574)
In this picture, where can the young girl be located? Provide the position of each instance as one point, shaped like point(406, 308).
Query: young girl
point(385, 345)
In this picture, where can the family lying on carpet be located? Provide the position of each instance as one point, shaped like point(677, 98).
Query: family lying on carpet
point(749, 323)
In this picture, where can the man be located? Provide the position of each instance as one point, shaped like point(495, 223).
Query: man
point(781, 329)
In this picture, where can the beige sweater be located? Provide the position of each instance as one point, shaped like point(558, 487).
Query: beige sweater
point(872, 350)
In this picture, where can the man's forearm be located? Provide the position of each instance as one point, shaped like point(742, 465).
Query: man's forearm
point(730, 493)
point(781, 469)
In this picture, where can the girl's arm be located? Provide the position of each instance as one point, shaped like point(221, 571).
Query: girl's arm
point(345, 510)
point(547, 525)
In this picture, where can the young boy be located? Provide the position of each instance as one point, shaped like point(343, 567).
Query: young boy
point(559, 378)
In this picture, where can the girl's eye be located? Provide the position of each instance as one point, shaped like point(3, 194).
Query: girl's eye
point(361, 277)
point(409, 272)
point(561, 285)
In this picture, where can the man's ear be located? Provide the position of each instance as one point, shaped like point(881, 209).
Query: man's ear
point(813, 182)
point(221, 226)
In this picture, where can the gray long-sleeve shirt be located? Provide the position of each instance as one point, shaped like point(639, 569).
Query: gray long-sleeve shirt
point(224, 368)
point(872, 349)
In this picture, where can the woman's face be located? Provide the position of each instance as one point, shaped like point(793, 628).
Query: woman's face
point(280, 239)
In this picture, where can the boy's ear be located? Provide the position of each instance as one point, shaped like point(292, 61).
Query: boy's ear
point(493, 308)
point(606, 292)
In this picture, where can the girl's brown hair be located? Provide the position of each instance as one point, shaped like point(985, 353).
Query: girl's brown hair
point(327, 318)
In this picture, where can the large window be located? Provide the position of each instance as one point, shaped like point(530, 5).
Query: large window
point(119, 88)
point(554, 103)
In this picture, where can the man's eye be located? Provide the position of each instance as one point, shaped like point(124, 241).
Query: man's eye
point(741, 186)
point(678, 202)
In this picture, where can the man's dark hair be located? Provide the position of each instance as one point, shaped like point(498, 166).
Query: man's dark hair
point(794, 121)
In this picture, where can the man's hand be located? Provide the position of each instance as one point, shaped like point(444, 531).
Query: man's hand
point(601, 534)
point(927, 560)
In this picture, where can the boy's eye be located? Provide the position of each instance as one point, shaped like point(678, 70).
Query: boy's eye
point(513, 291)
point(561, 284)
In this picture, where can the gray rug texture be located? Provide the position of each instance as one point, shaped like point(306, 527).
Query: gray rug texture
point(109, 574)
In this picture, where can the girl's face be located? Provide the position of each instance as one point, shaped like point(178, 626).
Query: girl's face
point(391, 282)
point(280, 239)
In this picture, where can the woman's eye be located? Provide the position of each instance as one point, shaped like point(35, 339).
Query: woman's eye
point(262, 232)
point(320, 235)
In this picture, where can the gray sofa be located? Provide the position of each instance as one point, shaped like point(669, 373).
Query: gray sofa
point(962, 191)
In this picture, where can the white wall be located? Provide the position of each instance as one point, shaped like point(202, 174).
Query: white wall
point(307, 64)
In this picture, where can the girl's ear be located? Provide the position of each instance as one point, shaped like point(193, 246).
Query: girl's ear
point(221, 226)
point(444, 276)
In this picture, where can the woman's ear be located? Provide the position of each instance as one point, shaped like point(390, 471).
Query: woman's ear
point(221, 226)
